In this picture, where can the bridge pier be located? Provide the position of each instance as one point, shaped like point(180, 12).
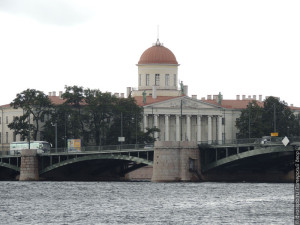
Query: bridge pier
point(29, 170)
point(176, 161)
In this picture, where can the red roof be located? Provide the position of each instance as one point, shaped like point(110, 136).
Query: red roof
point(56, 100)
point(229, 104)
point(158, 54)
point(233, 104)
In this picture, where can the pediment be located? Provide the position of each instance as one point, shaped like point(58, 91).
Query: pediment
point(186, 102)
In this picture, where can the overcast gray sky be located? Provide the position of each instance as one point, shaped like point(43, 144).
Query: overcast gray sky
point(233, 47)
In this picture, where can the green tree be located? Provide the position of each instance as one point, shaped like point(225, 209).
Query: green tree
point(250, 123)
point(20, 126)
point(35, 104)
point(75, 100)
point(60, 117)
point(273, 116)
point(278, 117)
point(100, 109)
point(148, 136)
point(126, 120)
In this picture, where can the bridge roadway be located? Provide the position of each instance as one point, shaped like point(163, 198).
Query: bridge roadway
point(242, 154)
point(131, 157)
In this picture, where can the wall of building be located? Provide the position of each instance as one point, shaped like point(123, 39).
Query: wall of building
point(162, 70)
point(7, 136)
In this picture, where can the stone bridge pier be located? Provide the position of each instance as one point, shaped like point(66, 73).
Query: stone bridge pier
point(29, 170)
point(176, 161)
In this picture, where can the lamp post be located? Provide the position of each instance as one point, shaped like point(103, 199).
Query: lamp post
point(274, 118)
point(29, 131)
point(55, 129)
point(1, 137)
point(55, 137)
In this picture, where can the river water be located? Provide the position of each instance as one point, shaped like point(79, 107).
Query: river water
point(145, 203)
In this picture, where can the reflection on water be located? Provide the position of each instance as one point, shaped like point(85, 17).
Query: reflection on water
point(145, 203)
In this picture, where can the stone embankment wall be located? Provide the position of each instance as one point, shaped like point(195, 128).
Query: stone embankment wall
point(29, 170)
point(175, 161)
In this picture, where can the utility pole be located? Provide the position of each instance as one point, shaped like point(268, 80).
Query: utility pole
point(249, 112)
point(29, 131)
point(181, 120)
point(274, 118)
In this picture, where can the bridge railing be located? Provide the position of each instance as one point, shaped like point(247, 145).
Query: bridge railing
point(104, 148)
point(251, 141)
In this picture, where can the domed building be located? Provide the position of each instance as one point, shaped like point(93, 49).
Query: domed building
point(166, 104)
point(158, 72)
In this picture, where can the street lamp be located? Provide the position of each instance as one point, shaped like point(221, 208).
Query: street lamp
point(55, 125)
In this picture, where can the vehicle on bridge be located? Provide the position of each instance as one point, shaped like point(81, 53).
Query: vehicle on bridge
point(265, 139)
point(40, 146)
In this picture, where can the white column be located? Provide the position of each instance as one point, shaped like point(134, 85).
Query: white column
point(177, 128)
point(155, 125)
point(188, 127)
point(145, 122)
point(167, 127)
point(198, 128)
point(209, 130)
point(219, 130)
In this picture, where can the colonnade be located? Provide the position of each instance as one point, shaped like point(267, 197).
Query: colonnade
point(188, 125)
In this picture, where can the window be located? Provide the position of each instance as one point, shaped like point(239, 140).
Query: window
point(140, 79)
point(167, 80)
point(6, 137)
point(14, 136)
point(156, 79)
point(0, 138)
point(175, 80)
point(7, 120)
point(147, 79)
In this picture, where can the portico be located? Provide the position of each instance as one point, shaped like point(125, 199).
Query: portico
point(182, 122)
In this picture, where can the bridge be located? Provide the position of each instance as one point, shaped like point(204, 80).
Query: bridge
point(115, 161)
point(125, 158)
point(249, 155)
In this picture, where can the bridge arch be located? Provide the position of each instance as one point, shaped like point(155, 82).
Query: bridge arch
point(256, 152)
point(95, 157)
point(10, 166)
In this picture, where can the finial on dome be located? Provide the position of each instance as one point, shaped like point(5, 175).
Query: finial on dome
point(157, 42)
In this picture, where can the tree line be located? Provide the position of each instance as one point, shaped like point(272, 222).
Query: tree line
point(274, 116)
point(93, 116)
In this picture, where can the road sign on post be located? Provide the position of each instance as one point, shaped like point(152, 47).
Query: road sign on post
point(285, 141)
point(275, 134)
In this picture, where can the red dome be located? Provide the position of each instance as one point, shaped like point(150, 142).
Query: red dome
point(158, 54)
